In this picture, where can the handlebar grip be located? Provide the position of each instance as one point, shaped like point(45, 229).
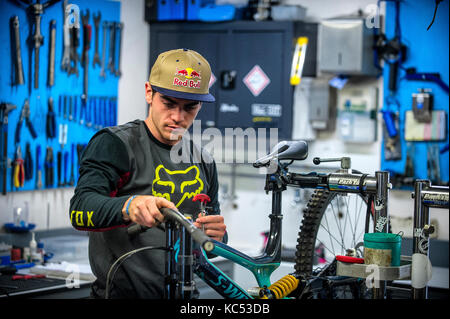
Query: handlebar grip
point(136, 229)
point(197, 235)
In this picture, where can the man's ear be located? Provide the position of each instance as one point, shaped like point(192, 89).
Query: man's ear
point(148, 92)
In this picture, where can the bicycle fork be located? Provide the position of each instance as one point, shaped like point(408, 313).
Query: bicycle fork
point(179, 283)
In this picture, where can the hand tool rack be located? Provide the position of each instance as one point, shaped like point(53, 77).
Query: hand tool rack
point(60, 102)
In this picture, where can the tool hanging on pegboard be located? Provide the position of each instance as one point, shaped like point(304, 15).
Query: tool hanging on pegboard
point(16, 52)
point(80, 114)
point(25, 115)
point(36, 40)
point(5, 109)
point(391, 133)
point(51, 56)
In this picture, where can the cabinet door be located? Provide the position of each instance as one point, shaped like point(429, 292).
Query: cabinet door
point(262, 96)
point(206, 43)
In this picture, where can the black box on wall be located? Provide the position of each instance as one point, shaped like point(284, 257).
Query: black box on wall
point(250, 62)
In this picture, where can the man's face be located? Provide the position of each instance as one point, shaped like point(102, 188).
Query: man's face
point(169, 117)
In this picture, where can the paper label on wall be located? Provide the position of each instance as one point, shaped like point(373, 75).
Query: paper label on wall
point(226, 108)
point(256, 80)
point(273, 110)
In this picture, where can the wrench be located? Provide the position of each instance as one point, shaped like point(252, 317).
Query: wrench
point(74, 58)
point(120, 35)
point(86, 46)
point(51, 56)
point(65, 61)
point(18, 55)
point(37, 38)
point(105, 27)
point(97, 18)
point(112, 45)
point(38, 167)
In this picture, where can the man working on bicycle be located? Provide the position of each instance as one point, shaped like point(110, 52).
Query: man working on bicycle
point(127, 173)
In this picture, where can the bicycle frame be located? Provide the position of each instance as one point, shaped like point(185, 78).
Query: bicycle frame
point(261, 266)
point(182, 260)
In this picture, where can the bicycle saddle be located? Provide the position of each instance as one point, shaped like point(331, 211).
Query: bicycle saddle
point(285, 150)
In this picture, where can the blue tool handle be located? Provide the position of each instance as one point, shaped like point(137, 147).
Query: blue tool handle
point(38, 156)
point(390, 123)
point(75, 109)
point(31, 128)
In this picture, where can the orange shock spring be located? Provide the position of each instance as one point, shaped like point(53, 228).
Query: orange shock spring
point(284, 286)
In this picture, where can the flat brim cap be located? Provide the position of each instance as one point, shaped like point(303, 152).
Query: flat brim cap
point(182, 73)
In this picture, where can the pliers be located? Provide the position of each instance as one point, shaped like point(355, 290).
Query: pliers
point(19, 171)
point(25, 115)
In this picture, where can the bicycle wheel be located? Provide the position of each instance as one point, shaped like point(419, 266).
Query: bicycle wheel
point(332, 223)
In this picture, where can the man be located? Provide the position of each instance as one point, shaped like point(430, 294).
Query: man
point(127, 174)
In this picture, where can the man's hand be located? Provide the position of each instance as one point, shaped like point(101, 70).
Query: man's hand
point(144, 210)
point(214, 226)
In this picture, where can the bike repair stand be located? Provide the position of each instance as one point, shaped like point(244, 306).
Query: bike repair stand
point(381, 224)
point(381, 219)
point(425, 196)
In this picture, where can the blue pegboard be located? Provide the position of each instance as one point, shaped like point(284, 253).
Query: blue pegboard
point(65, 85)
point(427, 51)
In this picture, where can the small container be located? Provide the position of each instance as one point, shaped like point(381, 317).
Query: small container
point(382, 249)
point(26, 254)
point(16, 254)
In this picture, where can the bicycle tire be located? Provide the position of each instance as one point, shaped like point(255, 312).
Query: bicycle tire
point(313, 215)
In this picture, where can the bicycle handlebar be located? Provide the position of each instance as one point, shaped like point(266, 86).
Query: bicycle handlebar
point(174, 216)
point(197, 234)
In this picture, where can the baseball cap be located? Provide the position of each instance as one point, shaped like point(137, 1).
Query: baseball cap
point(182, 73)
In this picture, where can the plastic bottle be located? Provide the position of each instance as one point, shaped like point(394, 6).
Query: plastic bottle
point(35, 255)
point(33, 245)
point(40, 250)
point(26, 254)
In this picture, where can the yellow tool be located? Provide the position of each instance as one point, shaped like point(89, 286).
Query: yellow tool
point(19, 171)
point(298, 60)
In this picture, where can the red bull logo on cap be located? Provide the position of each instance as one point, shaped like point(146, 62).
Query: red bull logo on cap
point(190, 76)
point(189, 73)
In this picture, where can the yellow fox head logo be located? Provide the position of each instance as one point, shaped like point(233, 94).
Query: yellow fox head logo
point(166, 183)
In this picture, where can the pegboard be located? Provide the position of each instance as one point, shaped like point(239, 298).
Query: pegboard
point(427, 52)
point(100, 107)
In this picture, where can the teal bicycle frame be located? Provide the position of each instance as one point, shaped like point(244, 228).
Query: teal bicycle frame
point(262, 266)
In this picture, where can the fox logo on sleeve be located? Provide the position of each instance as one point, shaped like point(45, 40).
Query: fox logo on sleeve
point(177, 185)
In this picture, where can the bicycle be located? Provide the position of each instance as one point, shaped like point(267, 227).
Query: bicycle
point(182, 259)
